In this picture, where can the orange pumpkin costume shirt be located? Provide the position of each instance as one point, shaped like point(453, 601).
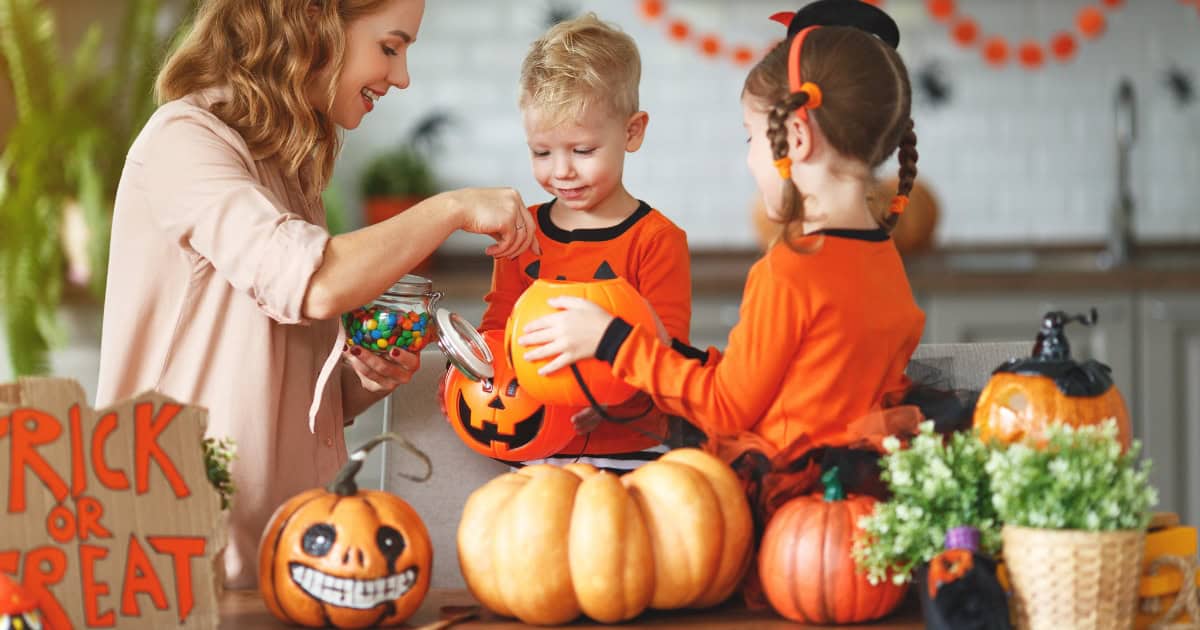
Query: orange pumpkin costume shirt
point(646, 249)
point(823, 339)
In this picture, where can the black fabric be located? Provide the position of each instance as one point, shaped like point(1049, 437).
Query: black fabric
point(690, 352)
point(614, 337)
point(854, 13)
point(974, 601)
point(877, 235)
point(591, 234)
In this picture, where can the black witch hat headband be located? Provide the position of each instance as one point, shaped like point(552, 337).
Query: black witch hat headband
point(853, 13)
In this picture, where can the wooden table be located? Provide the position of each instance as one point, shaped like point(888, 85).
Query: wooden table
point(244, 610)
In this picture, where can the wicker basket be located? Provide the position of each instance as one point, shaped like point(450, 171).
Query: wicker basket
point(1073, 579)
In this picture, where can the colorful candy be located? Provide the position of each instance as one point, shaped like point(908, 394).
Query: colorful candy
point(379, 329)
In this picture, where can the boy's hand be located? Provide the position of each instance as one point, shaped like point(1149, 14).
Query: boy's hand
point(380, 375)
point(570, 335)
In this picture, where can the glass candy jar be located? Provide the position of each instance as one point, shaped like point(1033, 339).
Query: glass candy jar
point(406, 317)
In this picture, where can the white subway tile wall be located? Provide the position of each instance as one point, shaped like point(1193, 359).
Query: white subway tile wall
point(1013, 156)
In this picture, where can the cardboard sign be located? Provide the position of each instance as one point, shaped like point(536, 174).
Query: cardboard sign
point(108, 517)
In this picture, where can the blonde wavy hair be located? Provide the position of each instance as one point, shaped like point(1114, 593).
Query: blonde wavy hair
point(580, 62)
point(266, 53)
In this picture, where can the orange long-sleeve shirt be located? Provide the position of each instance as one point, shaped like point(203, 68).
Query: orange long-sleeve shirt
point(822, 339)
point(646, 249)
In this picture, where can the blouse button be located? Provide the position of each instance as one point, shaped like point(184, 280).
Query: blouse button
point(329, 441)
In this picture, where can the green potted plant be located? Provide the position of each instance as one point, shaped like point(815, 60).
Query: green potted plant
point(1075, 510)
point(399, 178)
point(937, 484)
point(62, 160)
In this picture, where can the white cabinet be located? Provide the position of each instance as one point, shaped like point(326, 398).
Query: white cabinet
point(1169, 418)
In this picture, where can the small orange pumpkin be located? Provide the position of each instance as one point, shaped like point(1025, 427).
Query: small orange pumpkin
point(345, 557)
point(807, 572)
point(497, 418)
point(567, 386)
point(1024, 396)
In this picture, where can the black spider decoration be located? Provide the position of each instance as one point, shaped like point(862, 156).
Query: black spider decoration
point(560, 12)
point(932, 83)
point(1181, 85)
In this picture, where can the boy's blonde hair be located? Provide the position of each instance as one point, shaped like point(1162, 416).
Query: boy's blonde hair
point(578, 63)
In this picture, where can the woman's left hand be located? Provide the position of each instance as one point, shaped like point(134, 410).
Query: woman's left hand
point(570, 335)
point(380, 375)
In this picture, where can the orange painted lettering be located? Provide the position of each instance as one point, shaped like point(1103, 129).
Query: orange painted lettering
point(45, 567)
point(90, 510)
point(31, 428)
point(181, 549)
point(111, 479)
point(92, 590)
point(78, 467)
point(140, 577)
point(60, 524)
point(147, 428)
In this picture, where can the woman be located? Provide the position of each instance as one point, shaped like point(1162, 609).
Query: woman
point(224, 286)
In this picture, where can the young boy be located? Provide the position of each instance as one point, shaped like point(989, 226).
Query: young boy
point(579, 102)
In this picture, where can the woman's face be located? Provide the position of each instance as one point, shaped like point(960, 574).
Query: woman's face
point(376, 59)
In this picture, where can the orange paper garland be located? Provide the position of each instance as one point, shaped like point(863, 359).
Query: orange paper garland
point(1090, 24)
point(710, 45)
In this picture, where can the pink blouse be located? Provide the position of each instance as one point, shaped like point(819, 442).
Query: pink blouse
point(210, 259)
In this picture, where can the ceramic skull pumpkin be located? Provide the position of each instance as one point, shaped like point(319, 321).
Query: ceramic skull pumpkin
point(1026, 395)
point(18, 609)
point(497, 418)
point(345, 557)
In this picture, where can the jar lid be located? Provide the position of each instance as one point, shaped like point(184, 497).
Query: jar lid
point(411, 285)
point(463, 345)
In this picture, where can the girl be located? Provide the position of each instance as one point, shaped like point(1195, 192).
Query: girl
point(224, 286)
point(828, 321)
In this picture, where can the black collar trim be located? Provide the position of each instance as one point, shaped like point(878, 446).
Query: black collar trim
point(587, 234)
point(877, 235)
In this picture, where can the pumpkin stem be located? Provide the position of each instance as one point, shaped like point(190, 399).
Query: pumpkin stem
point(833, 485)
point(1051, 344)
point(344, 484)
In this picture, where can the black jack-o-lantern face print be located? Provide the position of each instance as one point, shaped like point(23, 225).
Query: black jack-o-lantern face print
point(496, 418)
point(603, 271)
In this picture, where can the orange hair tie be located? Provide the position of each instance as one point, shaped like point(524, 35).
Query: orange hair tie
point(814, 94)
point(899, 203)
point(784, 166)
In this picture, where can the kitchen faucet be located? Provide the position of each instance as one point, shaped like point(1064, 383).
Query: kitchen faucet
point(1120, 221)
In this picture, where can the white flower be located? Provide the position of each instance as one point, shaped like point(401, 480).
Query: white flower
point(891, 443)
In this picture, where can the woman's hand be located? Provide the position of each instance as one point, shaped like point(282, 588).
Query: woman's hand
point(570, 335)
point(380, 375)
point(499, 213)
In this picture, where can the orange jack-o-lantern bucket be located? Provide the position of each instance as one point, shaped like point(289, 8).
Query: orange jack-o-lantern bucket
point(590, 377)
point(496, 417)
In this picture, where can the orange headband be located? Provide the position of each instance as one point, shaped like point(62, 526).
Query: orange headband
point(795, 82)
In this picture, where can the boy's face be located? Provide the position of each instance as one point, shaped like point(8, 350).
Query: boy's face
point(580, 162)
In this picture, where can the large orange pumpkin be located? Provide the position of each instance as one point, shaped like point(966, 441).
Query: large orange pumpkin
point(805, 565)
point(546, 544)
point(345, 557)
point(496, 417)
point(1024, 396)
point(566, 386)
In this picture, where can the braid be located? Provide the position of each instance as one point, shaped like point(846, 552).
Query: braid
point(907, 156)
point(791, 205)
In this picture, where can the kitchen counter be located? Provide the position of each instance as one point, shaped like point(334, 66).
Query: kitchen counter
point(244, 610)
point(1168, 267)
